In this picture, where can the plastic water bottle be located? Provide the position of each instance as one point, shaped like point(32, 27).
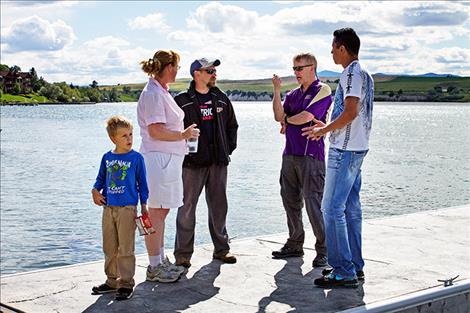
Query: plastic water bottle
point(192, 145)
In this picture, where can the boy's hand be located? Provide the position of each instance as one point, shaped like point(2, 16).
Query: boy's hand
point(143, 209)
point(98, 198)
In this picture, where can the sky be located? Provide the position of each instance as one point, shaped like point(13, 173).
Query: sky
point(81, 41)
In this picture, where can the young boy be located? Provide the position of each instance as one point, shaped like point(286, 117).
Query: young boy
point(121, 181)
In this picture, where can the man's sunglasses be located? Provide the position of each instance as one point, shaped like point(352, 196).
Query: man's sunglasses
point(209, 71)
point(300, 68)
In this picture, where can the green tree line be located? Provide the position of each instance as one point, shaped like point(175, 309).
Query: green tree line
point(58, 91)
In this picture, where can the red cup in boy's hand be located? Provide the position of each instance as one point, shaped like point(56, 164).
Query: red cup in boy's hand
point(144, 225)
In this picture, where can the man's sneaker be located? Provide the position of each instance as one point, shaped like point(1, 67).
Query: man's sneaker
point(183, 262)
point(124, 294)
point(335, 281)
point(101, 289)
point(172, 267)
point(161, 274)
point(320, 261)
point(288, 252)
point(360, 274)
point(226, 257)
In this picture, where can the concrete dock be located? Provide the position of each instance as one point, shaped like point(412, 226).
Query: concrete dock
point(404, 255)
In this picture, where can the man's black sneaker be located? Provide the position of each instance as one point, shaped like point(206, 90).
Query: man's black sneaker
point(333, 281)
point(101, 289)
point(124, 294)
point(320, 261)
point(287, 252)
point(359, 274)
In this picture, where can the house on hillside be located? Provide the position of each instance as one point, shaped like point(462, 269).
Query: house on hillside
point(10, 79)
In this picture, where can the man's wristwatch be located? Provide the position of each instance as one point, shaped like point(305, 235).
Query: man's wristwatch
point(285, 119)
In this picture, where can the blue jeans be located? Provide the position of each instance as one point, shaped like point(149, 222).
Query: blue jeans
point(342, 211)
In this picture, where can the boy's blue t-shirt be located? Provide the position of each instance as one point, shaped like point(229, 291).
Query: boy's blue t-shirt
point(122, 179)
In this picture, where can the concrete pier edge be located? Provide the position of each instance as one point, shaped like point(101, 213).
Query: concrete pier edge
point(405, 256)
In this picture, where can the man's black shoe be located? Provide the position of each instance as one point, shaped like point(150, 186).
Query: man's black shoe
point(287, 252)
point(124, 294)
point(359, 274)
point(102, 289)
point(320, 261)
point(332, 281)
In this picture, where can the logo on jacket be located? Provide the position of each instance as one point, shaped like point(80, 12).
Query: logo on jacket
point(219, 109)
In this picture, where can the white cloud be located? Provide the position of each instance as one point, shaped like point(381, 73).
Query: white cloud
point(151, 21)
point(215, 17)
point(35, 33)
point(34, 3)
point(453, 55)
point(107, 60)
point(436, 14)
point(49, 10)
point(105, 43)
point(253, 44)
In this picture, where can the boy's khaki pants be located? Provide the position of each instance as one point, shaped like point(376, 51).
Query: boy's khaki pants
point(118, 245)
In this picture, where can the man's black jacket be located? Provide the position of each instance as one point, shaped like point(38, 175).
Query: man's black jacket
point(225, 127)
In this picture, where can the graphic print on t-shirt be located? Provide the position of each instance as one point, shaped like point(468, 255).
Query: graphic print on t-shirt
point(206, 111)
point(116, 170)
point(207, 115)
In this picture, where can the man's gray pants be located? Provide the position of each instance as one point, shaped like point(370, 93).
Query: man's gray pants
point(302, 179)
point(214, 179)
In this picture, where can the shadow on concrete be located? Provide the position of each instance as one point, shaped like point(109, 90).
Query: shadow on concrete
point(159, 297)
point(299, 293)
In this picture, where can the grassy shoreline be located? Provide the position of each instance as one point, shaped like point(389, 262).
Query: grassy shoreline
point(387, 88)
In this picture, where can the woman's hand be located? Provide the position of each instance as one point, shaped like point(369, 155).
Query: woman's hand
point(190, 132)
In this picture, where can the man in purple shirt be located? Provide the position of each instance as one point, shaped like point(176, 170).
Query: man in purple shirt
point(303, 161)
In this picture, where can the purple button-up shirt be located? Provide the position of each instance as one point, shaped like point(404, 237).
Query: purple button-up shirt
point(295, 102)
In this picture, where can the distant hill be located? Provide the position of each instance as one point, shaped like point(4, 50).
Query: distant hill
point(328, 74)
point(437, 75)
point(383, 76)
point(418, 75)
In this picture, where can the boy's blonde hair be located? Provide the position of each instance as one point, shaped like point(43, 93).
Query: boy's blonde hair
point(115, 122)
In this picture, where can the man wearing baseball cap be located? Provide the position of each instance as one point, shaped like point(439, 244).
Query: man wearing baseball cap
point(207, 106)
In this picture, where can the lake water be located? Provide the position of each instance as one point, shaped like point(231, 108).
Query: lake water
point(418, 160)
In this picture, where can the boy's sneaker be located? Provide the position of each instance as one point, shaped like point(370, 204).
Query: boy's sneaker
point(288, 252)
point(320, 261)
point(161, 274)
point(102, 289)
point(335, 281)
point(360, 274)
point(172, 267)
point(124, 294)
